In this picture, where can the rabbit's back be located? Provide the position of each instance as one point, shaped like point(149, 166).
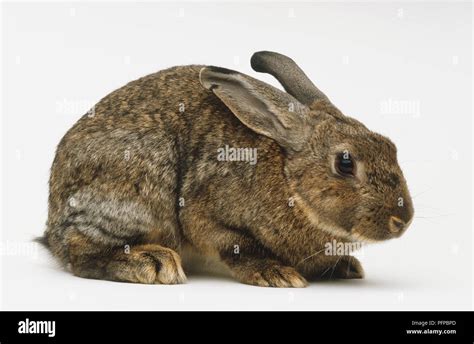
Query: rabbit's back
point(120, 166)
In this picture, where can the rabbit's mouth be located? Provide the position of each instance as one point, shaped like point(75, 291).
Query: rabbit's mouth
point(358, 237)
point(351, 236)
point(394, 228)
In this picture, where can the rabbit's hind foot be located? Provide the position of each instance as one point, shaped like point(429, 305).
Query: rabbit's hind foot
point(147, 264)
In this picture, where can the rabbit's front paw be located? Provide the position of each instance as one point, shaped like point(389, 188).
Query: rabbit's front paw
point(273, 276)
point(348, 267)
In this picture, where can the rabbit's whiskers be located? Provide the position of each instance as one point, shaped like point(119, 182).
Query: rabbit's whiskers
point(334, 266)
point(310, 256)
point(419, 194)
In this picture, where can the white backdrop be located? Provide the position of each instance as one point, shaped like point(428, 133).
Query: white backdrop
point(403, 69)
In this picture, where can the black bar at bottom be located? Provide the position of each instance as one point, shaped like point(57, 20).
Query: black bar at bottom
point(405, 327)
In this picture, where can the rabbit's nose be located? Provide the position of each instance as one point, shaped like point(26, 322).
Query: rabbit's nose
point(396, 225)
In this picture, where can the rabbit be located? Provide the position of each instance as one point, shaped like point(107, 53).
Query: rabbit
point(136, 182)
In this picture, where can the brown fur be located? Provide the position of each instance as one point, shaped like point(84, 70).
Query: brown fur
point(120, 177)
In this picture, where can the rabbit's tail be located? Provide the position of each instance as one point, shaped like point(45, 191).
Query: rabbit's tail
point(43, 240)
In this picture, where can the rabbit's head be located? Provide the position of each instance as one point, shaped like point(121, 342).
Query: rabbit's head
point(345, 176)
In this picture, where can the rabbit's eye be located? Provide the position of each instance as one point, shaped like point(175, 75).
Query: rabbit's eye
point(345, 164)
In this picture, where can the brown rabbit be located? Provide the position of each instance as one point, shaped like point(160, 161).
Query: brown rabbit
point(162, 164)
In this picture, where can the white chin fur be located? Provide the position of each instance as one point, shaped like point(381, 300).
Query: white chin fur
point(360, 238)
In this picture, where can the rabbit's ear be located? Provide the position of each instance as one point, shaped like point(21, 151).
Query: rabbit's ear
point(289, 74)
point(261, 107)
